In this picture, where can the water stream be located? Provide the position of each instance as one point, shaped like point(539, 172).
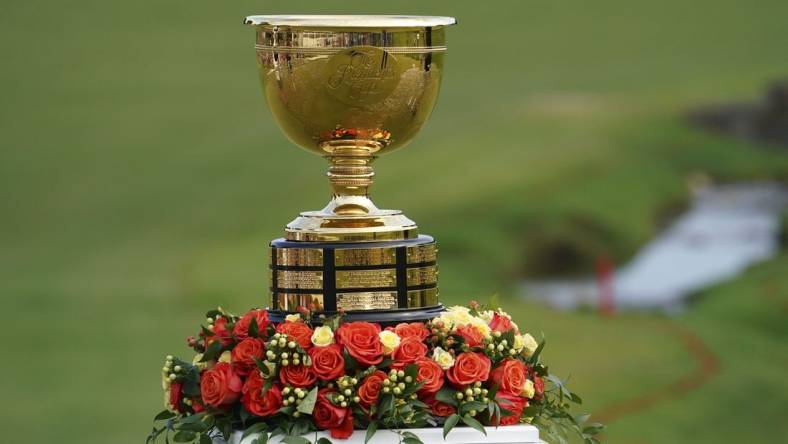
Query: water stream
point(727, 229)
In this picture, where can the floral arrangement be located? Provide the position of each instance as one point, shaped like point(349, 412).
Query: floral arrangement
point(472, 365)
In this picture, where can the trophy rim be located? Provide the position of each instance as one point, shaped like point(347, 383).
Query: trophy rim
point(351, 21)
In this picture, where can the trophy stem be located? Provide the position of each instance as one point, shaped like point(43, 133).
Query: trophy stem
point(351, 174)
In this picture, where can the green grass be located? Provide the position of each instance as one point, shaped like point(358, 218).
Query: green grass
point(141, 177)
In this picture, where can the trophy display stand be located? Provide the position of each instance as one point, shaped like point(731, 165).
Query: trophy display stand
point(511, 434)
point(351, 89)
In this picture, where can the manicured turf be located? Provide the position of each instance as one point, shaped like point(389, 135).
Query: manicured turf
point(141, 177)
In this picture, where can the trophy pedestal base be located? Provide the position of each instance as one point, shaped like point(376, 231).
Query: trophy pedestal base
point(386, 282)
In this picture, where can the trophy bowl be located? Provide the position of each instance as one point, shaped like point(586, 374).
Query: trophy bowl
point(350, 88)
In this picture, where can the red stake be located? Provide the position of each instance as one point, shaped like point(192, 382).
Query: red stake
point(605, 270)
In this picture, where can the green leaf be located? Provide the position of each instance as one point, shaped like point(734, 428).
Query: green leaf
point(412, 370)
point(256, 428)
point(262, 439)
point(295, 440)
point(308, 403)
point(192, 426)
point(446, 395)
point(470, 422)
point(451, 421)
point(473, 405)
point(410, 435)
point(197, 417)
point(386, 404)
point(535, 357)
point(324, 441)
point(184, 436)
point(207, 333)
point(212, 352)
point(371, 429)
point(164, 414)
point(253, 329)
point(418, 404)
point(412, 441)
point(494, 303)
point(350, 362)
point(205, 439)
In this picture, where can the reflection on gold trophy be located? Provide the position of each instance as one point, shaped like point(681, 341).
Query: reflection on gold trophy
point(352, 88)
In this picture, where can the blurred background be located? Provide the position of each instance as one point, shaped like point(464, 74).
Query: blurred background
point(611, 169)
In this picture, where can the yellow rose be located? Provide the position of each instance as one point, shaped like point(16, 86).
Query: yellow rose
point(443, 358)
point(389, 340)
point(197, 363)
point(481, 325)
point(292, 318)
point(458, 316)
point(225, 357)
point(528, 389)
point(487, 315)
point(529, 345)
point(323, 336)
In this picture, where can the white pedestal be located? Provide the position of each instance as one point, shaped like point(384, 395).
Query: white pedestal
point(515, 434)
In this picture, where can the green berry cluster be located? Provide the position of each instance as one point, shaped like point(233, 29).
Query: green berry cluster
point(398, 384)
point(346, 392)
point(473, 394)
point(286, 352)
point(293, 396)
point(501, 346)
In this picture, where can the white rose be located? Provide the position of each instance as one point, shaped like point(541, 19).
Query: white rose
point(323, 336)
point(443, 358)
point(529, 345)
point(528, 389)
point(389, 340)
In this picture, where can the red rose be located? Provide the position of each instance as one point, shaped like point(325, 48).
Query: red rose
point(473, 337)
point(244, 353)
point(468, 368)
point(513, 404)
point(328, 416)
point(501, 323)
point(369, 390)
point(509, 376)
point(197, 405)
point(538, 388)
point(175, 397)
point(327, 362)
point(297, 331)
point(361, 341)
point(220, 332)
point(220, 386)
point(440, 408)
point(297, 376)
point(412, 329)
point(258, 403)
point(431, 374)
point(409, 350)
point(259, 316)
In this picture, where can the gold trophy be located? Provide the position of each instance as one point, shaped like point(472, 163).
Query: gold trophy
point(352, 88)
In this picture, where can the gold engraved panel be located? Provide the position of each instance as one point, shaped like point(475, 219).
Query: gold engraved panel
point(291, 301)
point(365, 256)
point(422, 253)
point(367, 300)
point(386, 277)
point(299, 279)
point(422, 275)
point(305, 257)
point(422, 298)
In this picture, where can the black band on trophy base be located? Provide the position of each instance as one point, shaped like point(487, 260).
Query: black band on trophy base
point(386, 282)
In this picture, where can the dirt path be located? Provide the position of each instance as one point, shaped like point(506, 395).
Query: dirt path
point(707, 367)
